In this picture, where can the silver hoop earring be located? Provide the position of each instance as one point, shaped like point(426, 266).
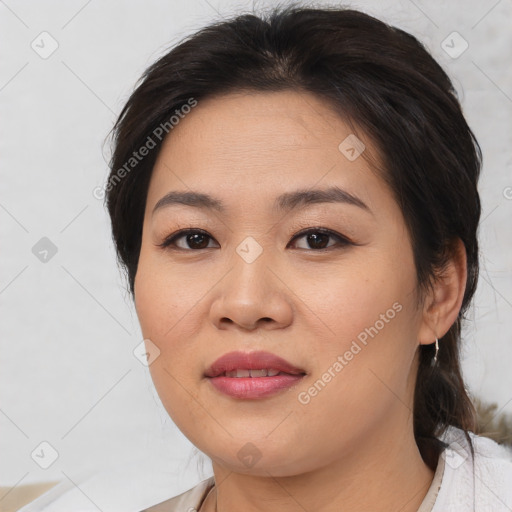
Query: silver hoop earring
point(434, 360)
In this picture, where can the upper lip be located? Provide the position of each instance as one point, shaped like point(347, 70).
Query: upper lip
point(251, 361)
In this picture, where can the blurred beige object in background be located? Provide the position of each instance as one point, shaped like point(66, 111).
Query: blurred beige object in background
point(13, 498)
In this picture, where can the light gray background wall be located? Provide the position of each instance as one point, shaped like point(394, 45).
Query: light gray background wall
point(67, 325)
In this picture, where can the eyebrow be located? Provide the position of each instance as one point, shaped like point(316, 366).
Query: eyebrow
point(286, 202)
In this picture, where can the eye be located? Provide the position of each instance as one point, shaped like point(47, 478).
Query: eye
point(317, 238)
point(194, 238)
point(197, 239)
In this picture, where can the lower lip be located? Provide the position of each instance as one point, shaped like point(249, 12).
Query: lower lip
point(254, 387)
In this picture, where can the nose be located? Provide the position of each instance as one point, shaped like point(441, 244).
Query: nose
point(252, 295)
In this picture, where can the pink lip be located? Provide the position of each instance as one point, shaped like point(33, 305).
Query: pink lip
point(250, 361)
point(252, 387)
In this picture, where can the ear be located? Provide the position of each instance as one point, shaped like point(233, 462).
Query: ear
point(443, 302)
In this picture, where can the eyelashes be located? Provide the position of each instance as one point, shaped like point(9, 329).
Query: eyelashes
point(200, 240)
point(170, 241)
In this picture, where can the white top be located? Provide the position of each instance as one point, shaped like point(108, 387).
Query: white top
point(459, 485)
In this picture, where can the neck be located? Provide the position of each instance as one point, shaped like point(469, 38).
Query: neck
point(385, 472)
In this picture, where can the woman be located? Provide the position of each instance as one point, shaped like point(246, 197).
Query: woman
point(295, 202)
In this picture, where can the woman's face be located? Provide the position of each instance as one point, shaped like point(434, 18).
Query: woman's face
point(262, 275)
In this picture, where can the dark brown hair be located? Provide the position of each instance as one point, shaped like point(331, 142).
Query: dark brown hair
point(379, 79)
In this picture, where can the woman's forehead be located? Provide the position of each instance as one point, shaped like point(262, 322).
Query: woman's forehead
point(265, 139)
point(278, 113)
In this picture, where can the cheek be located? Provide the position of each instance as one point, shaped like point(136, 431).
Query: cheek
point(164, 297)
point(356, 299)
point(168, 305)
point(150, 302)
point(368, 317)
point(160, 309)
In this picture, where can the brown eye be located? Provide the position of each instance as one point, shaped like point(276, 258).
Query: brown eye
point(318, 239)
point(194, 239)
